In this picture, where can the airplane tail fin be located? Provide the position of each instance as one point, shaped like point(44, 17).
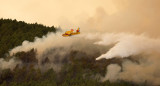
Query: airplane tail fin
point(78, 30)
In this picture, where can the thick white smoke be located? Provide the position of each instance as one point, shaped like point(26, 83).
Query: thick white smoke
point(49, 47)
point(135, 16)
point(126, 45)
point(112, 73)
point(44, 43)
point(146, 70)
point(11, 64)
point(56, 48)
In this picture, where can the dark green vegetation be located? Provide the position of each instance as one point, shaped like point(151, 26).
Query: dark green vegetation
point(13, 33)
point(80, 72)
point(75, 72)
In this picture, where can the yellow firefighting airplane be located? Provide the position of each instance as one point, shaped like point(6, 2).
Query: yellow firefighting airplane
point(71, 32)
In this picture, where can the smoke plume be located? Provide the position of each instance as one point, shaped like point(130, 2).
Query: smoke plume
point(128, 45)
point(146, 70)
point(57, 50)
point(132, 26)
point(145, 50)
point(11, 64)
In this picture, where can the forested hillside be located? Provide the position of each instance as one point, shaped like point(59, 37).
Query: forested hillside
point(77, 67)
point(80, 72)
point(13, 33)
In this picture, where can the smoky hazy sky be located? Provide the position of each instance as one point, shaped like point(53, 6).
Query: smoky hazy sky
point(140, 16)
point(53, 11)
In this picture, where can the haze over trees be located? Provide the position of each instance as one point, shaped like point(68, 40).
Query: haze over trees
point(75, 71)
